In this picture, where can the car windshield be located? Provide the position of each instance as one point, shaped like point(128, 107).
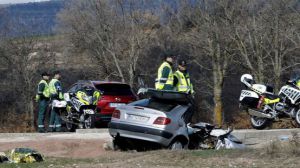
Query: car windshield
point(114, 89)
point(157, 104)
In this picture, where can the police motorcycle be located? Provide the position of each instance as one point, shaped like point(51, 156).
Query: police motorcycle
point(59, 105)
point(206, 136)
point(81, 108)
point(264, 106)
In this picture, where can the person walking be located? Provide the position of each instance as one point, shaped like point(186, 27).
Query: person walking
point(42, 97)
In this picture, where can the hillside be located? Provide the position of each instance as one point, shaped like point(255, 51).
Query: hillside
point(34, 18)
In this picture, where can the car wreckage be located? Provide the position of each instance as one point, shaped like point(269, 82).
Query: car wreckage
point(160, 121)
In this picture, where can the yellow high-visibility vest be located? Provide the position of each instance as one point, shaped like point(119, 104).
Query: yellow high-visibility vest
point(52, 88)
point(298, 84)
point(184, 83)
point(46, 91)
point(161, 82)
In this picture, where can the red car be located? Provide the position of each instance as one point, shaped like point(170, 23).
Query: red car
point(114, 94)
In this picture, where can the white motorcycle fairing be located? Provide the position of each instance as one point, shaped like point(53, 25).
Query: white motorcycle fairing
point(248, 93)
point(290, 92)
point(59, 104)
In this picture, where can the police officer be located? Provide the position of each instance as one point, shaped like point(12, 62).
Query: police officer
point(42, 98)
point(164, 80)
point(182, 82)
point(55, 88)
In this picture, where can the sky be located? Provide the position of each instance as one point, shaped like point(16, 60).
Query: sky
point(19, 1)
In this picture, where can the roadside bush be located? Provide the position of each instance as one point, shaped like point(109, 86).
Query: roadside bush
point(284, 148)
point(8, 123)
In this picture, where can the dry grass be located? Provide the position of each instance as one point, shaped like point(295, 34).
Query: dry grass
point(241, 121)
point(284, 123)
point(290, 147)
point(175, 159)
point(14, 122)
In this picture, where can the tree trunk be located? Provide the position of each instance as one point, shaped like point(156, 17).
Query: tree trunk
point(31, 109)
point(218, 108)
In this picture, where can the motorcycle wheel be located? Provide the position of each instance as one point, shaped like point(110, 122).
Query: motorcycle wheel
point(259, 123)
point(71, 127)
point(297, 117)
point(89, 121)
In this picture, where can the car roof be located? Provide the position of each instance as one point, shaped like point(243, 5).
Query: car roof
point(99, 82)
point(108, 82)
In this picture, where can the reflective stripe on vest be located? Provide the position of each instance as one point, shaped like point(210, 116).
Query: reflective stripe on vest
point(184, 83)
point(52, 88)
point(96, 96)
point(161, 82)
point(298, 84)
point(46, 91)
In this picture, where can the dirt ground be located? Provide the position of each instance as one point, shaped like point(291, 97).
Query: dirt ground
point(61, 148)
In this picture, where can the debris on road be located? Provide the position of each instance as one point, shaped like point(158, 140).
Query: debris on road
point(21, 155)
point(3, 157)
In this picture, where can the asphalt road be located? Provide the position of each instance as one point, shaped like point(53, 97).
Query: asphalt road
point(252, 138)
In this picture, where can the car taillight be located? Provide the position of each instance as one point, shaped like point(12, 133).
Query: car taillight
point(162, 121)
point(116, 114)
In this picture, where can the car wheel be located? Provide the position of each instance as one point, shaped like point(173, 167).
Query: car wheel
point(176, 145)
point(119, 144)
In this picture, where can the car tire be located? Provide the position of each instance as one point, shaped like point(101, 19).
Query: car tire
point(176, 145)
point(118, 144)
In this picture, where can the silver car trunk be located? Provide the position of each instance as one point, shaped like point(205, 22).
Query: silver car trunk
point(139, 115)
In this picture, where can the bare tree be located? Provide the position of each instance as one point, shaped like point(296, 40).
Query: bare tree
point(267, 40)
point(208, 26)
point(114, 34)
point(22, 56)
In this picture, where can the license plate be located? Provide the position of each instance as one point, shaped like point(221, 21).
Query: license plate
point(116, 104)
point(88, 111)
point(138, 118)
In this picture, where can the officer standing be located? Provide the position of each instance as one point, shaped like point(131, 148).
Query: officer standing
point(55, 88)
point(42, 98)
point(182, 82)
point(164, 80)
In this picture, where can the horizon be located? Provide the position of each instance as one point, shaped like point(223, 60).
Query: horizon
point(7, 2)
